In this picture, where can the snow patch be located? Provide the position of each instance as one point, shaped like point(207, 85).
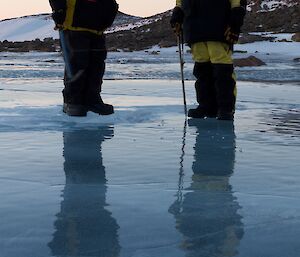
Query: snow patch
point(27, 28)
point(42, 26)
point(272, 5)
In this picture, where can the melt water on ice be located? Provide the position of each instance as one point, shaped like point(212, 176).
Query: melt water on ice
point(144, 182)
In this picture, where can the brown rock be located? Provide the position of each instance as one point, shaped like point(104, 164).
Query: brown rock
point(251, 61)
point(296, 37)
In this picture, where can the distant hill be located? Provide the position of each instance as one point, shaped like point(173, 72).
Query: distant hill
point(41, 26)
point(273, 15)
point(136, 33)
point(262, 16)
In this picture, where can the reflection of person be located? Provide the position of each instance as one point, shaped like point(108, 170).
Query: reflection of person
point(82, 23)
point(211, 27)
point(84, 227)
point(207, 214)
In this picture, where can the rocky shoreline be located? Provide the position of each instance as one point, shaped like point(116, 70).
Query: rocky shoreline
point(135, 40)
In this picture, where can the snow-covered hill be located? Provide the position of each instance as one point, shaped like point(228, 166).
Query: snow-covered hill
point(41, 26)
point(27, 28)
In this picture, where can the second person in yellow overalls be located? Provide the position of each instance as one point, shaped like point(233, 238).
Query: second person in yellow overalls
point(211, 27)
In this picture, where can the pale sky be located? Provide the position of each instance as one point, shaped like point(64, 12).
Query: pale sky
point(144, 8)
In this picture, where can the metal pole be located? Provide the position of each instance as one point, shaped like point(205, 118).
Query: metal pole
point(181, 53)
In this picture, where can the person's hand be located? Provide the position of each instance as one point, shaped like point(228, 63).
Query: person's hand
point(58, 27)
point(59, 17)
point(176, 20)
point(231, 36)
point(234, 27)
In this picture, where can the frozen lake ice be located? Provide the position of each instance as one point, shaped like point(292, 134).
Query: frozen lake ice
point(144, 182)
point(279, 57)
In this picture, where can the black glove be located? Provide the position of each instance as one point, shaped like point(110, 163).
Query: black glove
point(236, 21)
point(231, 36)
point(177, 17)
point(59, 17)
point(237, 18)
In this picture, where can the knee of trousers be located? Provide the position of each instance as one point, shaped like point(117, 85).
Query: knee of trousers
point(202, 70)
point(223, 70)
point(224, 75)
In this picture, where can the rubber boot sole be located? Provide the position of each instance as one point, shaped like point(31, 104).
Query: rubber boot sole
point(74, 110)
point(108, 110)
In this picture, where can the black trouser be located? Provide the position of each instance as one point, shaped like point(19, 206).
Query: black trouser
point(87, 53)
point(215, 87)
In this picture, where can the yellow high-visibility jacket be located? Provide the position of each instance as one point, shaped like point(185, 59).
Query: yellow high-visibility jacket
point(207, 20)
point(70, 15)
point(86, 15)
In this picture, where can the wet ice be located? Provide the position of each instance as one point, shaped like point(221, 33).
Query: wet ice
point(143, 182)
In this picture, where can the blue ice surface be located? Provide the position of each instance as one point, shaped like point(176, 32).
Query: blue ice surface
point(145, 182)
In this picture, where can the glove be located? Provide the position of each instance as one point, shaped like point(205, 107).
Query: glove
point(177, 17)
point(176, 20)
point(59, 17)
point(236, 21)
point(237, 18)
point(231, 36)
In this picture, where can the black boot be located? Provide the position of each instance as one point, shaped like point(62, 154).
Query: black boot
point(101, 108)
point(98, 106)
point(196, 113)
point(222, 115)
point(74, 110)
point(201, 113)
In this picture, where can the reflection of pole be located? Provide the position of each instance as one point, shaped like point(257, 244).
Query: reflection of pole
point(176, 207)
point(181, 53)
point(207, 217)
point(181, 170)
point(65, 54)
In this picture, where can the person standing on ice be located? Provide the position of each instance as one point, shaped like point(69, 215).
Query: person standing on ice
point(211, 28)
point(81, 24)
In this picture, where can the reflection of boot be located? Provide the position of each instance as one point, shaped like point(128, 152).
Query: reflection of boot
point(205, 92)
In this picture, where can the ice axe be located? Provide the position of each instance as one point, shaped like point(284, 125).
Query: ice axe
point(180, 44)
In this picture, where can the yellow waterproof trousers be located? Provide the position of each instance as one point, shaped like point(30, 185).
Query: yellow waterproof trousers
point(216, 81)
point(213, 52)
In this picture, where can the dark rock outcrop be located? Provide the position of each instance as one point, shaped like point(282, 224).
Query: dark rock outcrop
point(158, 33)
point(249, 61)
point(47, 45)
